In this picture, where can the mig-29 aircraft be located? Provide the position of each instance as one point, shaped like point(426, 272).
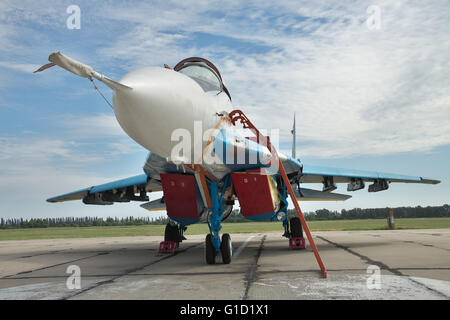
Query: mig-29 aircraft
point(203, 157)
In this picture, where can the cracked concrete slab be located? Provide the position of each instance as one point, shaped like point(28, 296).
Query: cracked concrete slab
point(414, 264)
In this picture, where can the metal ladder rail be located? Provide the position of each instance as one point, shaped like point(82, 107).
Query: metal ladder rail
point(239, 115)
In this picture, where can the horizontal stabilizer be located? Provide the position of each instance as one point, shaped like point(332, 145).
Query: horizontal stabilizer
point(315, 195)
point(155, 205)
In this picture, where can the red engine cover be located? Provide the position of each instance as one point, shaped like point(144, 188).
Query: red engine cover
point(180, 195)
point(253, 192)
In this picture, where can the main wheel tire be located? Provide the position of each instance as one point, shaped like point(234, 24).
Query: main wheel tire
point(210, 251)
point(296, 228)
point(171, 233)
point(226, 248)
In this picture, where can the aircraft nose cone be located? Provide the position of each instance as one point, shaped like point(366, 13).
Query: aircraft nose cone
point(162, 101)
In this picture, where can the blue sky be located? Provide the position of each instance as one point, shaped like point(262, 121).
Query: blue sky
point(365, 99)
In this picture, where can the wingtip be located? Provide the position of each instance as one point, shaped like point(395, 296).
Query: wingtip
point(430, 181)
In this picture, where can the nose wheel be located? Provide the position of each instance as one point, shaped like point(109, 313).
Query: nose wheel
point(226, 249)
point(210, 251)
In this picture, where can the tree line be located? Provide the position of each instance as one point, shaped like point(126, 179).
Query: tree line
point(18, 223)
point(379, 213)
point(321, 214)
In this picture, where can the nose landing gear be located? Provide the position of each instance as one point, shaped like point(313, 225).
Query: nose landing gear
point(226, 249)
point(213, 244)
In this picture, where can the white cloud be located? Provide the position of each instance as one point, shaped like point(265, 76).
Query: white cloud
point(25, 194)
point(21, 67)
point(99, 125)
point(18, 154)
point(34, 170)
point(355, 91)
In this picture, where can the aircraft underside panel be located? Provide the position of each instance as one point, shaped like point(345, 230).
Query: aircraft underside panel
point(182, 198)
point(257, 194)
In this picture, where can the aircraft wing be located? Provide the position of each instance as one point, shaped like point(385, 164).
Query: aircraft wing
point(291, 165)
point(75, 195)
point(316, 174)
point(123, 190)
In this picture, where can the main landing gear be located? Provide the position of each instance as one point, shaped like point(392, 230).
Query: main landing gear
point(296, 240)
point(174, 232)
point(296, 228)
point(173, 235)
point(293, 229)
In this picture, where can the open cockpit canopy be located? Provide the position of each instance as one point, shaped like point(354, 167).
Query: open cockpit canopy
point(203, 72)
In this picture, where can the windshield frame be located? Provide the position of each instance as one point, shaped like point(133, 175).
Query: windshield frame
point(203, 63)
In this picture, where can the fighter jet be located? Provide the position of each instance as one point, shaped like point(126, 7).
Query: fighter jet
point(203, 156)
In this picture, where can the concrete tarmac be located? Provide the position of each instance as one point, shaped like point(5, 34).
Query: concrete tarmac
point(412, 264)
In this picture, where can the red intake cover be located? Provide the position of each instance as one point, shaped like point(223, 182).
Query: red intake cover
point(180, 195)
point(253, 192)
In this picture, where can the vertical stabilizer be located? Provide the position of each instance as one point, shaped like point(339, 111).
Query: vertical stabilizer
point(294, 135)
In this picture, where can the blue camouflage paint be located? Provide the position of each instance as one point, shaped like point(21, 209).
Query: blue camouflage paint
point(253, 152)
point(350, 173)
point(262, 217)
